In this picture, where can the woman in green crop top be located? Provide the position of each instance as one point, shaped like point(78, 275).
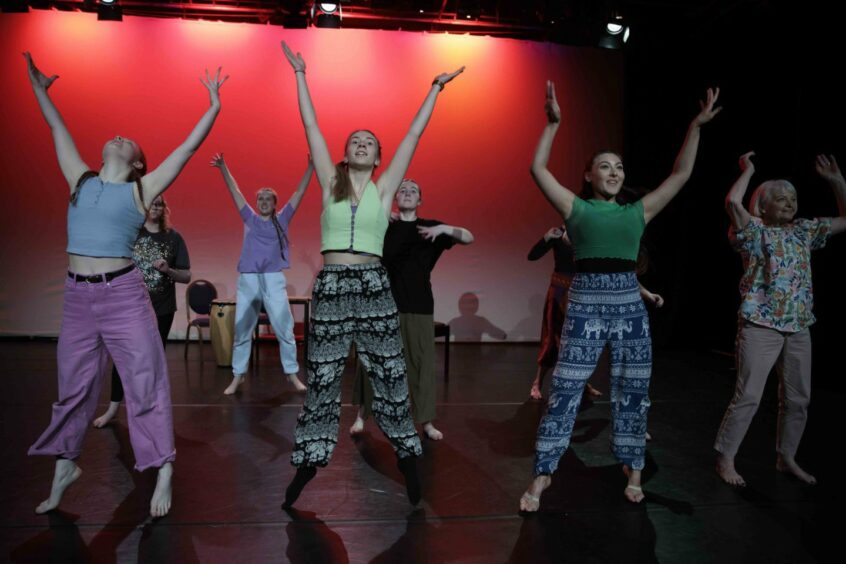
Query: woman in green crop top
point(604, 307)
point(352, 296)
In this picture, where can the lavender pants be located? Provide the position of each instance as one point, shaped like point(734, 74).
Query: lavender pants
point(114, 319)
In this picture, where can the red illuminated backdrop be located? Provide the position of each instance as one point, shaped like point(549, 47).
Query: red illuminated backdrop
point(139, 78)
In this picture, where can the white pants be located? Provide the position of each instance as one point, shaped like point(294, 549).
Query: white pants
point(269, 288)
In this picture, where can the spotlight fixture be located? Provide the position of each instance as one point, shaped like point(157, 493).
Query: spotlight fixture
point(109, 10)
point(327, 14)
point(614, 28)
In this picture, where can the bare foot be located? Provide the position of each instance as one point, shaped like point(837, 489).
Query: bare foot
point(535, 392)
point(237, 380)
point(66, 473)
point(358, 425)
point(530, 501)
point(726, 471)
point(160, 503)
point(431, 432)
point(790, 467)
point(298, 386)
point(633, 491)
point(592, 392)
point(110, 413)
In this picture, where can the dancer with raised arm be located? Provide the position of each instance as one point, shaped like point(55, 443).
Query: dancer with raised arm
point(264, 255)
point(107, 309)
point(776, 309)
point(352, 295)
point(605, 307)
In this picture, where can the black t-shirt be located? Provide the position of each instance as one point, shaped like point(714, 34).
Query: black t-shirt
point(410, 259)
point(562, 251)
point(150, 247)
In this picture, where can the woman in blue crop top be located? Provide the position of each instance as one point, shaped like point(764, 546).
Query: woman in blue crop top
point(107, 309)
point(352, 296)
point(604, 306)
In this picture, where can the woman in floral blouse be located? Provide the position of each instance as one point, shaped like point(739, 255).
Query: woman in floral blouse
point(775, 311)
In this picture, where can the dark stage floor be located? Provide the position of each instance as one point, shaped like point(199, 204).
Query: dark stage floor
point(233, 466)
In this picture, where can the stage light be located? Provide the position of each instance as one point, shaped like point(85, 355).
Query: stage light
point(327, 14)
point(614, 28)
point(109, 10)
point(614, 36)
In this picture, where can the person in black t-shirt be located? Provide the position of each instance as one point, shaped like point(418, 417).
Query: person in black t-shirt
point(412, 247)
point(161, 255)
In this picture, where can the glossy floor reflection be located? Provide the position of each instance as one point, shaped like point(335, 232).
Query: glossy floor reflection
point(233, 466)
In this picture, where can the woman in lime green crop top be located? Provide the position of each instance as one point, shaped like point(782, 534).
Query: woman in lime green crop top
point(604, 307)
point(352, 296)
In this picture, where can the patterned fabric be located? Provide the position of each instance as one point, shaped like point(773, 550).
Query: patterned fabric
point(150, 247)
point(353, 303)
point(603, 309)
point(775, 288)
point(553, 318)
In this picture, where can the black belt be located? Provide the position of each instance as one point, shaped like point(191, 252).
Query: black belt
point(605, 265)
point(107, 277)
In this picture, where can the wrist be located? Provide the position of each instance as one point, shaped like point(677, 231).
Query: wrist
point(439, 84)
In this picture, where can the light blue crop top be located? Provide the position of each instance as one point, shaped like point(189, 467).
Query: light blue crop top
point(104, 221)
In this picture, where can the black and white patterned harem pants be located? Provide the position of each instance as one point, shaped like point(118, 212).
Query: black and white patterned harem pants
point(353, 303)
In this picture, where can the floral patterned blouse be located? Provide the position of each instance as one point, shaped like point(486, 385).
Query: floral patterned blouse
point(775, 288)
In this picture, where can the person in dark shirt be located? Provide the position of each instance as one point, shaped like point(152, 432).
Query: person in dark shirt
point(556, 304)
point(412, 247)
point(161, 255)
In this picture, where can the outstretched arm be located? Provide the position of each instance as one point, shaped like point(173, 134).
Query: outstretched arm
point(560, 197)
point(298, 194)
point(70, 162)
point(657, 200)
point(158, 180)
point(390, 180)
point(828, 169)
point(734, 200)
point(323, 165)
point(237, 197)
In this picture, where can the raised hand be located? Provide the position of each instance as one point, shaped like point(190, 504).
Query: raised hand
point(213, 85)
point(38, 78)
point(707, 109)
point(443, 78)
point(217, 161)
point(297, 61)
point(826, 166)
point(553, 111)
point(746, 162)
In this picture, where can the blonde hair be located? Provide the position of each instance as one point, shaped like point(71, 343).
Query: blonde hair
point(764, 193)
point(267, 190)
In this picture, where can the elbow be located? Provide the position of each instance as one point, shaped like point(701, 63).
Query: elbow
point(187, 277)
point(536, 170)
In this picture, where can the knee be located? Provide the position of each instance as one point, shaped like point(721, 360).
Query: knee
point(796, 404)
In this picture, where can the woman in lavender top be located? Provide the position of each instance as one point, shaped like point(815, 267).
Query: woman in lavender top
point(264, 255)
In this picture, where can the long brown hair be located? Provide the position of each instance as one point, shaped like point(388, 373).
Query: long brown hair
point(342, 188)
